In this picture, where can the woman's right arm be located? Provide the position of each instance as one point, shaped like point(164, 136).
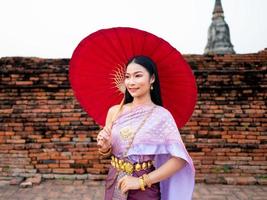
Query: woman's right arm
point(105, 134)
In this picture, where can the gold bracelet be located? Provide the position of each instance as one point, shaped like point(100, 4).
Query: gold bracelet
point(142, 184)
point(106, 152)
point(147, 180)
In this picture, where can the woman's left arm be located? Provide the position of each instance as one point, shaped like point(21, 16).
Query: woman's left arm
point(167, 169)
point(164, 171)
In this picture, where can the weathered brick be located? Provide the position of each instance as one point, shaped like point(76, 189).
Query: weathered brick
point(46, 131)
point(246, 180)
point(63, 171)
point(15, 141)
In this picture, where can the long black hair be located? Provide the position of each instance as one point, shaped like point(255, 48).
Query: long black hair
point(151, 67)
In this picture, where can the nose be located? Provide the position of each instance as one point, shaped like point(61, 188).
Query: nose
point(130, 81)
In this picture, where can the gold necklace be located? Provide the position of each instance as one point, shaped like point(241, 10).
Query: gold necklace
point(126, 133)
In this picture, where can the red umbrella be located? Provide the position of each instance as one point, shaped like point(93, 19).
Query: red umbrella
point(97, 72)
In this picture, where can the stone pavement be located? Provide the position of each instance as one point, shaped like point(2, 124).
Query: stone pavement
point(88, 190)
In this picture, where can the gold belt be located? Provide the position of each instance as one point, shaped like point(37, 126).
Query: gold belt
point(128, 167)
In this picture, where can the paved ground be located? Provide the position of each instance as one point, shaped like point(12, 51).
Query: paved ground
point(85, 190)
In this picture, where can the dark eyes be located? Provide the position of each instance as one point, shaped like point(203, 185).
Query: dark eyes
point(138, 75)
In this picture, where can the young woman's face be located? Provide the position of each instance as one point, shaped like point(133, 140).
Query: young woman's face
point(137, 80)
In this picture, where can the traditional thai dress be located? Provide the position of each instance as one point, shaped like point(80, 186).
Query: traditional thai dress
point(157, 140)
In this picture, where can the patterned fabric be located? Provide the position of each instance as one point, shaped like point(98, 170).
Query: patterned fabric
point(118, 195)
point(158, 140)
point(112, 191)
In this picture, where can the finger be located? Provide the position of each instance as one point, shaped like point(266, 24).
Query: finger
point(99, 133)
point(122, 186)
point(106, 146)
point(104, 135)
point(106, 138)
point(99, 139)
point(100, 143)
point(119, 183)
point(124, 189)
point(107, 130)
point(99, 136)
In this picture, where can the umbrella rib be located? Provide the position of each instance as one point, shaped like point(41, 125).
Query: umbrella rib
point(154, 50)
point(116, 33)
point(118, 77)
point(106, 52)
point(144, 41)
point(132, 44)
point(111, 44)
point(165, 57)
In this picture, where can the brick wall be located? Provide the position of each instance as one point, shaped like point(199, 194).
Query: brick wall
point(44, 131)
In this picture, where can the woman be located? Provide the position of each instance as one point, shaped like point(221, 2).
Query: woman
point(142, 134)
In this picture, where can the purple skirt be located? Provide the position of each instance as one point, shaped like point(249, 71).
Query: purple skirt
point(152, 193)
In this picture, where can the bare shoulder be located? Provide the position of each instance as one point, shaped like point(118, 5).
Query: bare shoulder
point(111, 112)
point(113, 109)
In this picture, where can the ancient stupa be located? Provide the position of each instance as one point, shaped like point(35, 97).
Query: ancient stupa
point(219, 41)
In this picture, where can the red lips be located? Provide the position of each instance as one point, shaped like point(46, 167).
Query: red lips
point(133, 89)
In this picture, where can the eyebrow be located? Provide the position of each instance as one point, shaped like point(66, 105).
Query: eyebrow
point(134, 72)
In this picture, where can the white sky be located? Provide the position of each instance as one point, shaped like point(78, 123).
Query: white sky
point(53, 28)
